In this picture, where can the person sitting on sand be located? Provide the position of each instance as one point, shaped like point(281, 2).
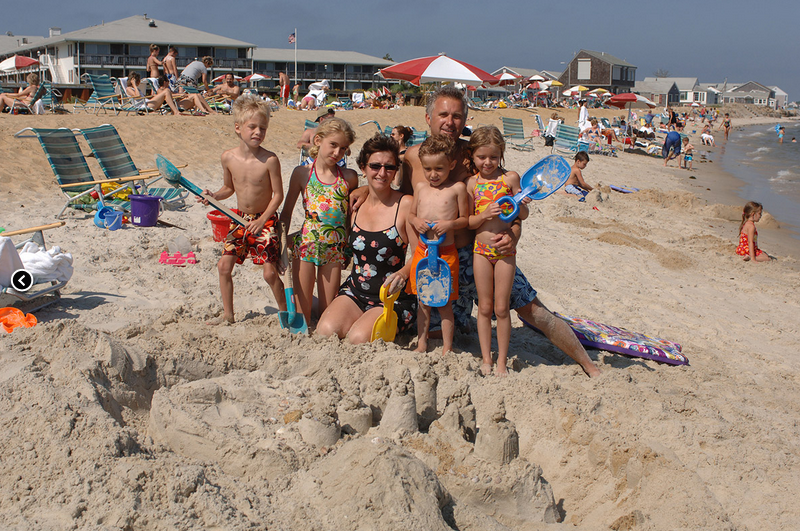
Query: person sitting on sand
point(379, 239)
point(254, 175)
point(706, 137)
point(446, 113)
point(575, 184)
point(23, 96)
point(748, 235)
point(163, 94)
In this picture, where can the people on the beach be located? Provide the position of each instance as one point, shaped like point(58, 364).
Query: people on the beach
point(447, 114)
point(307, 138)
point(440, 208)
point(378, 238)
point(153, 63)
point(283, 83)
point(494, 270)
point(228, 88)
point(196, 73)
point(254, 175)
point(163, 94)
point(672, 147)
point(575, 184)
point(726, 125)
point(23, 96)
point(321, 249)
point(781, 132)
point(688, 150)
point(171, 68)
point(748, 235)
point(401, 134)
point(583, 116)
point(706, 137)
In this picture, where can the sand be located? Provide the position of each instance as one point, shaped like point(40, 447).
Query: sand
point(121, 409)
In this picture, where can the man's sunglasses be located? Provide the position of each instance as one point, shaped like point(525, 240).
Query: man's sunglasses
point(374, 166)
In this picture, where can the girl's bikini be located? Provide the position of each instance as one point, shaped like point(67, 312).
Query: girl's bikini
point(484, 195)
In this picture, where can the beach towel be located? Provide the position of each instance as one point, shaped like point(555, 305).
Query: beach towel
point(613, 339)
point(48, 265)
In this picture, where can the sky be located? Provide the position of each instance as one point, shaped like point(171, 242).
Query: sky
point(708, 39)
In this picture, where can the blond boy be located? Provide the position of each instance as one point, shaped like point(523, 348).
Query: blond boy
point(440, 207)
point(254, 175)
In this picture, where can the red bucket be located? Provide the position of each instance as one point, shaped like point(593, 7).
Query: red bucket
point(219, 225)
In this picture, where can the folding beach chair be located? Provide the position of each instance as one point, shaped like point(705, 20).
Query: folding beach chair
point(417, 137)
point(566, 140)
point(104, 94)
point(30, 107)
point(129, 104)
point(514, 134)
point(42, 293)
point(116, 163)
point(540, 125)
point(73, 174)
point(52, 99)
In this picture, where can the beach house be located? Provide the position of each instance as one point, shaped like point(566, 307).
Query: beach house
point(118, 47)
point(599, 70)
point(688, 88)
point(660, 90)
point(752, 92)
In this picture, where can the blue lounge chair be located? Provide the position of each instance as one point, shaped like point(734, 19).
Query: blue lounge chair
point(104, 94)
point(515, 135)
point(566, 140)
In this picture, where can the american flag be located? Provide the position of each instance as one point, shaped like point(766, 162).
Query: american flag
point(291, 38)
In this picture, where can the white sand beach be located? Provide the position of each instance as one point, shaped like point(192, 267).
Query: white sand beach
point(122, 409)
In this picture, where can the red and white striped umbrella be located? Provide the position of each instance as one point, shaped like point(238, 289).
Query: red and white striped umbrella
point(17, 62)
point(438, 68)
point(254, 78)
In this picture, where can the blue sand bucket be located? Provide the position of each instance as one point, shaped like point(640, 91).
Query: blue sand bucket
point(113, 220)
point(145, 210)
point(100, 216)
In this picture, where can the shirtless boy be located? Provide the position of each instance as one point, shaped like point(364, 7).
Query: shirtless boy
point(440, 207)
point(254, 175)
point(575, 185)
point(171, 68)
point(152, 62)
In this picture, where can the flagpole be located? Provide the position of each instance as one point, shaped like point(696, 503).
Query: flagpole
point(295, 56)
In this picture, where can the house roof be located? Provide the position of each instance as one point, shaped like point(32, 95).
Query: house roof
point(683, 83)
point(607, 57)
point(778, 91)
point(524, 72)
point(11, 42)
point(551, 74)
point(317, 56)
point(751, 86)
point(660, 86)
point(137, 30)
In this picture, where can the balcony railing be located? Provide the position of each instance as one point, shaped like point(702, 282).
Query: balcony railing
point(101, 60)
point(331, 76)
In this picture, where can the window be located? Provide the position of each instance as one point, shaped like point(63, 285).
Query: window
point(584, 68)
point(92, 48)
point(616, 73)
point(187, 52)
point(136, 49)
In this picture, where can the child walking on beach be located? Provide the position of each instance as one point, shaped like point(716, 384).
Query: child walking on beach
point(688, 149)
point(320, 247)
point(494, 272)
point(254, 175)
point(440, 207)
point(575, 185)
point(748, 235)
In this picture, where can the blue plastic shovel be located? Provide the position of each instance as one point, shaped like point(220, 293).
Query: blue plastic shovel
point(538, 182)
point(433, 275)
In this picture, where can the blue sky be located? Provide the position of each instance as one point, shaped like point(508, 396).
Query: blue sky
point(710, 40)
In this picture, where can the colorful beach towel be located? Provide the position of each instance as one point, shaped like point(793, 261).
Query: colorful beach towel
point(613, 339)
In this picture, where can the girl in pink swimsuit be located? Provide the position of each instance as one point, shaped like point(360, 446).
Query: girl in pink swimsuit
point(494, 272)
point(320, 247)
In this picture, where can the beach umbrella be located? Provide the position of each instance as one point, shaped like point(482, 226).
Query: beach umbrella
point(438, 68)
point(629, 99)
point(16, 62)
point(508, 79)
point(253, 78)
point(695, 104)
point(578, 89)
point(556, 83)
point(598, 91)
point(537, 77)
point(543, 92)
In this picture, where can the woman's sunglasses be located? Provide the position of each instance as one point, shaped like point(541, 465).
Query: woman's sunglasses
point(374, 166)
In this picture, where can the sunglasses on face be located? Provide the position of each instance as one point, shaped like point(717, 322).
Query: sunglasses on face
point(374, 166)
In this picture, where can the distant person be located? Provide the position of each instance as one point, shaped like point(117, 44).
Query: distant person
point(153, 63)
point(781, 132)
point(401, 135)
point(283, 82)
point(794, 140)
point(229, 89)
point(688, 149)
point(23, 96)
point(196, 72)
point(748, 235)
point(726, 125)
point(254, 175)
point(672, 146)
point(575, 184)
point(440, 207)
point(706, 137)
point(307, 138)
point(171, 68)
point(583, 116)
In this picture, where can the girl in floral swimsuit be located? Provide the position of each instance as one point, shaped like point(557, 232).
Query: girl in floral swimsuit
point(320, 247)
point(494, 272)
point(748, 235)
point(379, 240)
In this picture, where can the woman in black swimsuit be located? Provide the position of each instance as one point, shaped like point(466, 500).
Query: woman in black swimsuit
point(379, 240)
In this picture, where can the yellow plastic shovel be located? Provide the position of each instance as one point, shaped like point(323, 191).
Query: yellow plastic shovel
point(385, 326)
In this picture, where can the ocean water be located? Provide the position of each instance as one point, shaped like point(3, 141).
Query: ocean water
point(770, 170)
